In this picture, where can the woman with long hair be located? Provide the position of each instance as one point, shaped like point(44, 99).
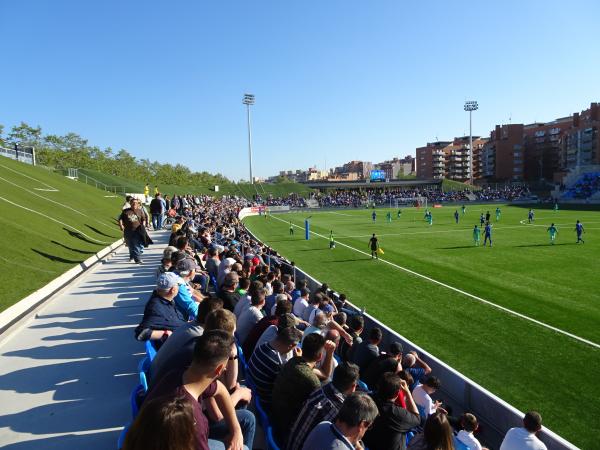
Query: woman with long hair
point(163, 424)
point(437, 434)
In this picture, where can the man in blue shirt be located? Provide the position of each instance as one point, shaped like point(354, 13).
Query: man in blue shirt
point(487, 234)
point(579, 229)
point(186, 269)
point(161, 317)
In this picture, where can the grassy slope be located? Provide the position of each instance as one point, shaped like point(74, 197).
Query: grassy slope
point(515, 359)
point(35, 249)
point(244, 189)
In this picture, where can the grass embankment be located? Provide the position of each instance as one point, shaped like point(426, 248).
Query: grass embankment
point(49, 224)
point(521, 362)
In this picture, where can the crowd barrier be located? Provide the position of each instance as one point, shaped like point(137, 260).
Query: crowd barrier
point(495, 415)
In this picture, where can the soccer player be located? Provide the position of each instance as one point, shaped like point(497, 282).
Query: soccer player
point(374, 216)
point(373, 245)
point(456, 215)
point(498, 214)
point(464, 209)
point(388, 216)
point(487, 234)
point(552, 231)
point(399, 213)
point(291, 229)
point(476, 235)
point(555, 206)
point(429, 218)
point(487, 216)
point(579, 229)
point(331, 240)
point(530, 216)
point(481, 220)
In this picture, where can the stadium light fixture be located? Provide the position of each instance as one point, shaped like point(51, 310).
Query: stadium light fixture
point(249, 100)
point(470, 106)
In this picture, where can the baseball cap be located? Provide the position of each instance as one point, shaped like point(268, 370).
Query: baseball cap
point(396, 348)
point(327, 308)
point(166, 281)
point(187, 265)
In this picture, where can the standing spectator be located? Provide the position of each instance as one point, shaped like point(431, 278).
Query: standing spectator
point(524, 438)
point(390, 428)
point(323, 404)
point(212, 263)
point(368, 351)
point(356, 415)
point(301, 303)
point(157, 211)
point(346, 350)
point(130, 220)
point(386, 362)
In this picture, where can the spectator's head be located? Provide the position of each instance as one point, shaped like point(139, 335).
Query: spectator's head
point(187, 268)
point(319, 320)
point(316, 299)
point(345, 377)
point(276, 285)
point(220, 319)
point(312, 347)
point(177, 256)
point(340, 318)
point(389, 385)
point(333, 336)
point(285, 321)
point(167, 285)
point(258, 298)
point(230, 281)
point(432, 384)
point(406, 376)
point(300, 284)
point(212, 251)
point(282, 306)
point(357, 323)
point(255, 286)
point(469, 422)
point(532, 421)
point(206, 306)
point(244, 283)
point(168, 252)
point(409, 361)
point(396, 350)
point(287, 338)
point(375, 336)
point(357, 414)
point(438, 432)
point(163, 422)
point(181, 242)
point(211, 354)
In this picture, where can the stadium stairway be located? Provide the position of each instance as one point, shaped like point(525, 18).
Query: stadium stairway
point(66, 373)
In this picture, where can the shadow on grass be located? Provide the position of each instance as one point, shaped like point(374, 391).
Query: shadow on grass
point(313, 249)
point(456, 247)
point(96, 230)
point(545, 245)
point(83, 252)
point(57, 258)
point(77, 235)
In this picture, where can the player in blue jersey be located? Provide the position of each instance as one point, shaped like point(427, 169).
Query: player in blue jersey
point(487, 234)
point(481, 220)
point(456, 215)
point(579, 230)
point(374, 216)
point(552, 231)
point(530, 216)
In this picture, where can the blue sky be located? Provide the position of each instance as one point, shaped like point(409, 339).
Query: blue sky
point(334, 80)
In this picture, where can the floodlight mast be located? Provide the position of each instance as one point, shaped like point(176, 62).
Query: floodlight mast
point(471, 106)
point(249, 100)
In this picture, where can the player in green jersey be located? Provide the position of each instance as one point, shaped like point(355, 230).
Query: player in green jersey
point(552, 231)
point(476, 235)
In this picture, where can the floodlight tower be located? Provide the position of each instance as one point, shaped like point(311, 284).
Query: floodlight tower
point(249, 100)
point(471, 106)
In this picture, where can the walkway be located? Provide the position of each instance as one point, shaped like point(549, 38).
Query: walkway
point(66, 375)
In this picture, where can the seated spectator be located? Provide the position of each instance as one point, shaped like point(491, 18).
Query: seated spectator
point(227, 292)
point(267, 360)
point(301, 303)
point(323, 404)
point(524, 438)
point(469, 425)
point(317, 325)
point(244, 302)
point(385, 362)
point(243, 286)
point(313, 306)
point(295, 382)
point(284, 321)
point(281, 307)
point(297, 292)
point(251, 316)
point(346, 350)
point(212, 262)
point(165, 262)
point(161, 317)
point(417, 368)
point(368, 351)
point(422, 395)
point(356, 415)
point(177, 351)
point(163, 423)
point(437, 434)
point(392, 424)
point(186, 269)
point(199, 382)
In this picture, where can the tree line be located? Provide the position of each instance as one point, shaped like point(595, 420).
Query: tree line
point(73, 151)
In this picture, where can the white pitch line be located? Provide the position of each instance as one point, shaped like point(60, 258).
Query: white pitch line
point(339, 213)
point(52, 189)
point(54, 220)
point(474, 297)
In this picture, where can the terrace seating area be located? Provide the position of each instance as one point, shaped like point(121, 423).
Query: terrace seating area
point(586, 186)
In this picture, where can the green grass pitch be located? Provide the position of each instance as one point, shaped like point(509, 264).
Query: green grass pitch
point(526, 364)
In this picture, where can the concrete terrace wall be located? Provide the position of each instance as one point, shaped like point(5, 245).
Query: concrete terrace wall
point(495, 415)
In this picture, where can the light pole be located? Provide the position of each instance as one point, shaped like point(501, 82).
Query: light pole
point(471, 106)
point(249, 100)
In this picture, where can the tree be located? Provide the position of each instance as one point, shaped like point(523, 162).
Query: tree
point(26, 135)
point(1, 138)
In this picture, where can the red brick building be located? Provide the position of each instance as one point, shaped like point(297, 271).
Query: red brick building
point(502, 156)
point(580, 143)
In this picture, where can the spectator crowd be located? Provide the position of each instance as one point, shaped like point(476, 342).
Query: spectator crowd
point(235, 332)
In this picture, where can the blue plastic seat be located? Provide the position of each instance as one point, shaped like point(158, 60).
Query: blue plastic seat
point(121, 440)
point(136, 397)
point(363, 386)
point(143, 367)
point(213, 281)
point(150, 350)
point(271, 444)
point(242, 359)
